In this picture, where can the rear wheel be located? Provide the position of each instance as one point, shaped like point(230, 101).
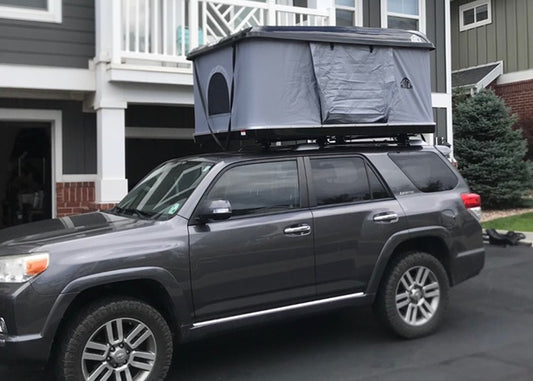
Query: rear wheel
point(413, 297)
point(116, 340)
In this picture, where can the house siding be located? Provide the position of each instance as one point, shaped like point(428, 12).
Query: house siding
point(436, 32)
point(371, 13)
point(70, 43)
point(507, 38)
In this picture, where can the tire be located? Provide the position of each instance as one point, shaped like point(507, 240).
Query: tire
point(413, 296)
point(138, 344)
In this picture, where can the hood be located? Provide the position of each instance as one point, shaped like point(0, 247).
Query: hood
point(27, 237)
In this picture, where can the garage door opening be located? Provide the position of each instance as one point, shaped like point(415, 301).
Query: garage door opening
point(25, 172)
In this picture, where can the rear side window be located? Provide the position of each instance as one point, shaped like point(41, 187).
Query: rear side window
point(259, 188)
point(426, 170)
point(344, 179)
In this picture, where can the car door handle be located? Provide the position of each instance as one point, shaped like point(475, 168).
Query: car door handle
point(302, 229)
point(386, 217)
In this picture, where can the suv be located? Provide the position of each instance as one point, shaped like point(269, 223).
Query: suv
point(217, 241)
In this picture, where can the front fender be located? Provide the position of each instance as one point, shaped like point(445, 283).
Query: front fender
point(73, 289)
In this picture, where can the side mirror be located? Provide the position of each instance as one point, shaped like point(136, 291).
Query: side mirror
point(215, 210)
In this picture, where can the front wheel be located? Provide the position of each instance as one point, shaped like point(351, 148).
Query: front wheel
point(413, 296)
point(116, 340)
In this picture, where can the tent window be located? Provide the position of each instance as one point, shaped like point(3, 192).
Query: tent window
point(218, 95)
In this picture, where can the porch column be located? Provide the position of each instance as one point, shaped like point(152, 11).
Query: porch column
point(112, 184)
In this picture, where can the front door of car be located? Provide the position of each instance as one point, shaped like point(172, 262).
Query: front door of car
point(262, 256)
point(353, 214)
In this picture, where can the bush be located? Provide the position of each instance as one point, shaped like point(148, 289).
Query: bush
point(490, 153)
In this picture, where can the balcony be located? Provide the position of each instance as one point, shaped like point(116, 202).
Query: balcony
point(157, 34)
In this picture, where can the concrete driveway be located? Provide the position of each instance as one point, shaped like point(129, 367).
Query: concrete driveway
point(488, 335)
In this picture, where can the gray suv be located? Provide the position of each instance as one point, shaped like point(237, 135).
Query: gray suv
point(224, 240)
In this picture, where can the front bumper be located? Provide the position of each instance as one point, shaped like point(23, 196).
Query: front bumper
point(33, 349)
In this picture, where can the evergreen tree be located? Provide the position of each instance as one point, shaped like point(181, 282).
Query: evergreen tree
point(489, 151)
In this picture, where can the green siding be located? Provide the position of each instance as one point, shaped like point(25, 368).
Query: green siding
point(507, 38)
point(371, 13)
point(436, 32)
point(441, 121)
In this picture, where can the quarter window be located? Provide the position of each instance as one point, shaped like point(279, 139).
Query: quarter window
point(404, 14)
point(475, 14)
point(259, 188)
point(426, 170)
point(343, 180)
point(31, 10)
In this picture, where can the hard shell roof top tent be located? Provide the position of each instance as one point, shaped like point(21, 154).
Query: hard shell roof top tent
point(275, 83)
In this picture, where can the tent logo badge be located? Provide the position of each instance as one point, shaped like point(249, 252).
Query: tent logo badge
point(406, 83)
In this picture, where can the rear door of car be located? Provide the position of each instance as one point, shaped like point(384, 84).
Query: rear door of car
point(354, 213)
point(262, 256)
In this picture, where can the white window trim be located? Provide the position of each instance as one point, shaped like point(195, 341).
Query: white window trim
point(54, 117)
point(421, 15)
point(473, 5)
point(357, 9)
point(53, 13)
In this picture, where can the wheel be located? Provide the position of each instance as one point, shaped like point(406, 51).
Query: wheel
point(116, 340)
point(413, 296)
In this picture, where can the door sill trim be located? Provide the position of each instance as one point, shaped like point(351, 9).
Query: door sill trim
point(290, 307)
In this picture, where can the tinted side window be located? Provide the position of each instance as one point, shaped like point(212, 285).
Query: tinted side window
point(426, 170)
point(259, 188)
point(339, 180)
point(376, 187)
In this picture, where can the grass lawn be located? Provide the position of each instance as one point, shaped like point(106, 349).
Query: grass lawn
point(521, 222)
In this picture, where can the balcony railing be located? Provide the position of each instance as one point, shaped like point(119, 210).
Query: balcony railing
point(161, 32)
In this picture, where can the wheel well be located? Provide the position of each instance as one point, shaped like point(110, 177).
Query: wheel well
point(146, 290)
point(431, 245)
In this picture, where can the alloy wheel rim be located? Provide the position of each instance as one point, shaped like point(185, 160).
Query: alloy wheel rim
point(121, 349)
point(417, 295)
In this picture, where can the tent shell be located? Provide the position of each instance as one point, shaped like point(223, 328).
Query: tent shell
point(277, 83)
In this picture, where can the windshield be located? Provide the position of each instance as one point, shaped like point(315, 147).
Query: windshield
point(162, 193)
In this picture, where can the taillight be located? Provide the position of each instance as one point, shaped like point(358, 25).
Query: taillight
point(472, 202)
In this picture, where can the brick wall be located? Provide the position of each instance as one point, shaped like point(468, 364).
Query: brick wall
point(76, 198)
point(518, 97)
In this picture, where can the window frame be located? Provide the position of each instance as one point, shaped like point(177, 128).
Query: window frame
point(357, 9)
point(421, 15)
point(302, 190)
point(474, 5)
point(369, 168)
point(52, 13)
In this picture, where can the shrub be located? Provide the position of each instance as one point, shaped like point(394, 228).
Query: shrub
point(490, 152)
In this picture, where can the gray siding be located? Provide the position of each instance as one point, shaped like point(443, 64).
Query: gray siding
point(79, 132)
point(508, 38)
point(436, 32)
point(441, 120)
point(372, 14)
point(68, 44)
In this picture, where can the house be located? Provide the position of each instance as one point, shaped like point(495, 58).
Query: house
point(93, 94)
point(492, 46)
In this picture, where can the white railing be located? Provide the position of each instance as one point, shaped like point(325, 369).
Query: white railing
point(162, 32)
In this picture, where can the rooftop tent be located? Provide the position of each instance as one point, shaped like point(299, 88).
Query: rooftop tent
point(314, 81)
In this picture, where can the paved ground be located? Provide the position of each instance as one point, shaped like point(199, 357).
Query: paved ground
point(487, 336)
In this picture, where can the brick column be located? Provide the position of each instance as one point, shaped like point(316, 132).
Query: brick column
point(76, 198)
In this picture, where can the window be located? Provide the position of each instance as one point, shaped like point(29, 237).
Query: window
point(31, 10)
point(475, 14)
point(348, 12)
point(218, 95)
point(259, 188)
point(342, 180)
point(404, 14)
point(427, 171)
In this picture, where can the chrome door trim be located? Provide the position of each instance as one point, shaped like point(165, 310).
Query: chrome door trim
point(278, 309)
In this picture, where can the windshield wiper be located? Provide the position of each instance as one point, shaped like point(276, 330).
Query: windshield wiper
point(133, 212)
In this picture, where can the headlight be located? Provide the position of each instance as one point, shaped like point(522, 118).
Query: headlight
point(21, 268)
